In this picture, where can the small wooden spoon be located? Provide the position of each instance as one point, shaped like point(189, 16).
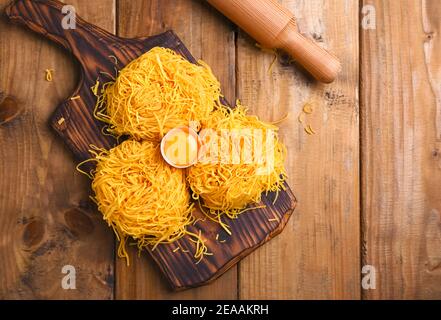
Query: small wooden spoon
point(9, 108)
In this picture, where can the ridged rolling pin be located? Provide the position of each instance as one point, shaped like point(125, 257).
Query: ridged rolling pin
point(274, 27)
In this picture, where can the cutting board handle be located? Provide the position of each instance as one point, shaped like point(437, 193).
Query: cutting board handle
point(46, 17)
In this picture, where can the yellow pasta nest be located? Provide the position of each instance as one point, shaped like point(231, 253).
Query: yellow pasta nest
point(233, 175)
point(138, 193)
point(156, 92)
point(141, 196)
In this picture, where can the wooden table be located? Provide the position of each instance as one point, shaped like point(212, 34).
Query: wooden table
point(368, 182)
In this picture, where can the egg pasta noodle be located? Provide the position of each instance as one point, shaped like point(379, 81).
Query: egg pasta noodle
point(142, 197)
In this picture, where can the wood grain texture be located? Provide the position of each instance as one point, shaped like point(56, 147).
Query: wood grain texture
point(401, 149)
point(202, 30)
point(74, 122)
point(317, 256)
point(45, 222)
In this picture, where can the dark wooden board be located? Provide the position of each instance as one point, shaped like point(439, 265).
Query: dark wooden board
point(75, 124)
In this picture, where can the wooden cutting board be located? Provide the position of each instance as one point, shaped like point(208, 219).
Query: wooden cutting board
point(75, 124)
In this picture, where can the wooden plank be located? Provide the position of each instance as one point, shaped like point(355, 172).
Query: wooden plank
point(401, 149)
point(317, 255)
point(211, 38)
point(46, 221)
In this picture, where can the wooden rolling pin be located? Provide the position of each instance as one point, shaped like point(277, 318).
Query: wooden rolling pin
point(274, 27)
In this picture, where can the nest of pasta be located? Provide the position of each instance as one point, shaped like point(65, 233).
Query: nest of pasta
point(241, 158)
point(140, 196)
point(157, 92)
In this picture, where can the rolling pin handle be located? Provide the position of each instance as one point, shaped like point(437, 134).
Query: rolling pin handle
point(320, 63)
point(273, 25)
